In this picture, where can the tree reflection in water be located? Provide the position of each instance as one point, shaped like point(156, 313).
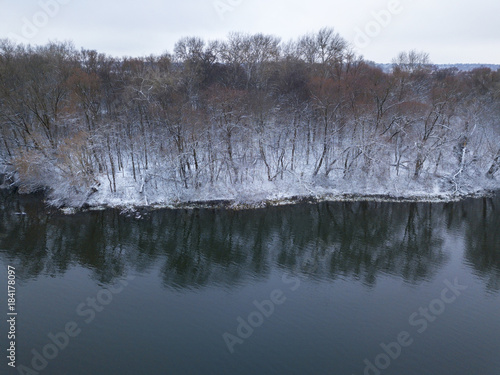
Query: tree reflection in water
point(193, 248)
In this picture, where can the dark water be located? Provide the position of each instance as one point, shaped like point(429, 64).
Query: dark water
point(320, 289)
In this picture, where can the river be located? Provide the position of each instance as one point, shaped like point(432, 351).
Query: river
point(330, 288)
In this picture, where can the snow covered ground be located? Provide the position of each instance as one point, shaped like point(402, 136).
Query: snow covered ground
point(259, 192)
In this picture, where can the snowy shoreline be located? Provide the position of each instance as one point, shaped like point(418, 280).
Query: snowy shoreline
point(149, 193)
point(234, 204)
point(345, 197)
point(261, 193)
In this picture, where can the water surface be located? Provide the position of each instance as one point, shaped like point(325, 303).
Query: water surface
point(165, 292)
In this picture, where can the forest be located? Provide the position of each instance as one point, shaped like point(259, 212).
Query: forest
point(250, 118)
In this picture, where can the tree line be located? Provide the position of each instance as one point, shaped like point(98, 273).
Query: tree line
point(246, 110)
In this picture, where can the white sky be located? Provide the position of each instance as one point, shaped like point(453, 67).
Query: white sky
point(451, 31)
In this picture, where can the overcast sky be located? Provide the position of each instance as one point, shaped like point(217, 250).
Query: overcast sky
point(451, 31)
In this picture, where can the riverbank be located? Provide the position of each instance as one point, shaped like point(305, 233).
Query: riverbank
point(346, 197)
point(259, 193)
point(130, 201)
